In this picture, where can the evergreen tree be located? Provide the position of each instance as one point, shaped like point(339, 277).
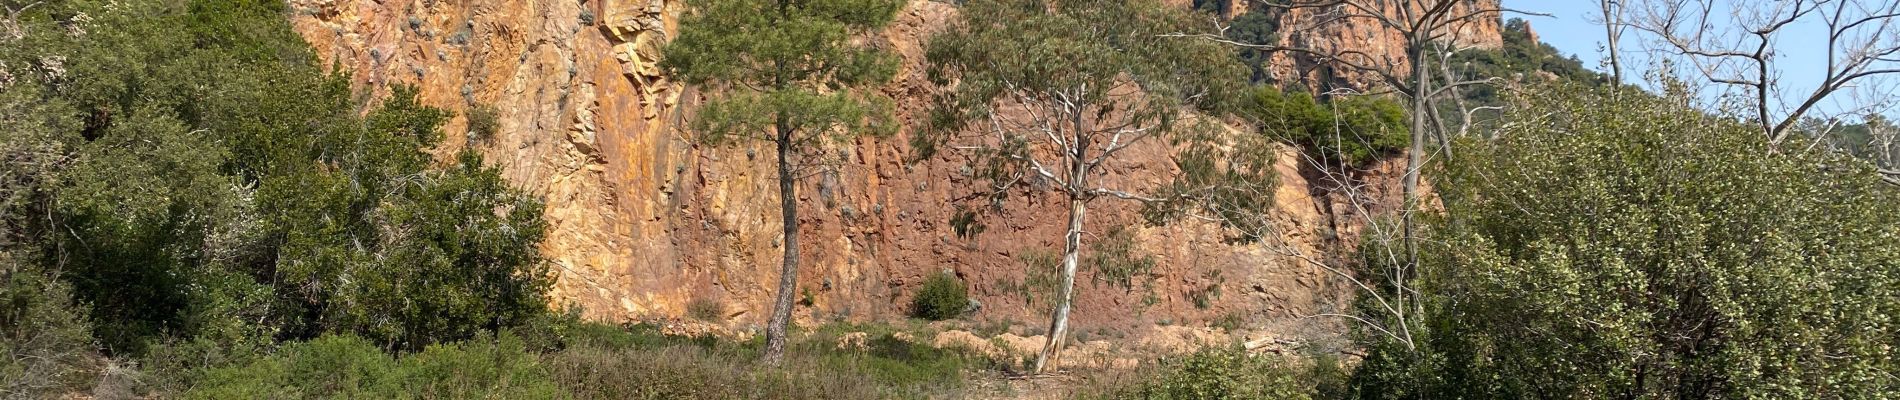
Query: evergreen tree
point(788, 72)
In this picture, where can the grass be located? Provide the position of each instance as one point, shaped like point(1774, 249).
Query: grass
point(574, 359)
point(1218, 373)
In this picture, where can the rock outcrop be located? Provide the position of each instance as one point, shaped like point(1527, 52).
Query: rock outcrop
point(643, 220)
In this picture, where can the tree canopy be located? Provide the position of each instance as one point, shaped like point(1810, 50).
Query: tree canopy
point(1633, 246)
point(193, 174)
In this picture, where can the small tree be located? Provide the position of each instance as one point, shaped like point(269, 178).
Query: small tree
point(1732, 44)
point(786, 72)
point(1055, 91)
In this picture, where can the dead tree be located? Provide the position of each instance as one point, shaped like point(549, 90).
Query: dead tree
point(1731, 43)
point(1613, 26)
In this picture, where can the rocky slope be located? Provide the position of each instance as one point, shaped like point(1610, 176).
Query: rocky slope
point(644, 221)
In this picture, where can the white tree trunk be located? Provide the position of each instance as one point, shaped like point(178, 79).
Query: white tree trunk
point(1059, 322)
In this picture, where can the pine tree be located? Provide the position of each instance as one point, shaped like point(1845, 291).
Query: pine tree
point(786, 72)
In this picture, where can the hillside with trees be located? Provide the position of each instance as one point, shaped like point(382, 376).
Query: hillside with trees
point(854, 199)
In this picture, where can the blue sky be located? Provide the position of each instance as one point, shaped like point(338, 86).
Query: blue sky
point(1573, 29)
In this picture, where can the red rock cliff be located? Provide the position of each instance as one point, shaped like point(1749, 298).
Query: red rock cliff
point(642, 220)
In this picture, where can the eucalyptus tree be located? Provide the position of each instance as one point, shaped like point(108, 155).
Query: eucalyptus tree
point(1055, 93)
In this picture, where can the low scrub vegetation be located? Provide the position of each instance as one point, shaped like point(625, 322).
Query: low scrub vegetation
point(941, 297)
point(567, 358)
point(1225, 373)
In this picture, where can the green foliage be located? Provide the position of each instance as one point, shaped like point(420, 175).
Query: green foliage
point(618, 364)
point(1080, 50)
point(560, 356)
point(1259, 26)
point(1232, 373)
point(941, 297)
point(1870, 139)
point(1117, 261)
point(483, 122)
point(1640, 248)
point(197, 180)
point(459, 258)
point(1038, 287)
point(965, 224)
point(352, 367)
point(1349, 130)
point(46, 347)
point(786, 65)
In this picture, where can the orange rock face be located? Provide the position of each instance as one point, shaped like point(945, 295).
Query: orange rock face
point(643, 220)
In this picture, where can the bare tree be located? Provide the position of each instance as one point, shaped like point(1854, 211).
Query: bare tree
point(1732, 43)
point(1613, 26)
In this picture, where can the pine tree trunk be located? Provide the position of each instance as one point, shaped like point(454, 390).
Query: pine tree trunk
point(1059, 323)
point(788, 271)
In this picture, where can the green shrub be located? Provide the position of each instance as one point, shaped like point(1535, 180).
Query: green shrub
point(908, 365)
point(1350, 130)
point(483, 123)
point(351, 367)
point(1117, 261)
point(815, 367)
point(1228, 373)
point(212, 182)
point(941, 297)
point(1632, 246)
point(46, 346)
point(691, 372)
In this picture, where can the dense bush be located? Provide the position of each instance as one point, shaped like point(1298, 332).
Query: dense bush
point(194, 177)
point(1350, 130)
point(1639, 248)
point(941, 297)
point(1260, 26)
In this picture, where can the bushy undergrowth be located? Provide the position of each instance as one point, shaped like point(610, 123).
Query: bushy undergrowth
point(46, 348)
point(565, 358)
point(497, 366)
point(1229, 373)
point(1350, 130)
point(941, 297)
